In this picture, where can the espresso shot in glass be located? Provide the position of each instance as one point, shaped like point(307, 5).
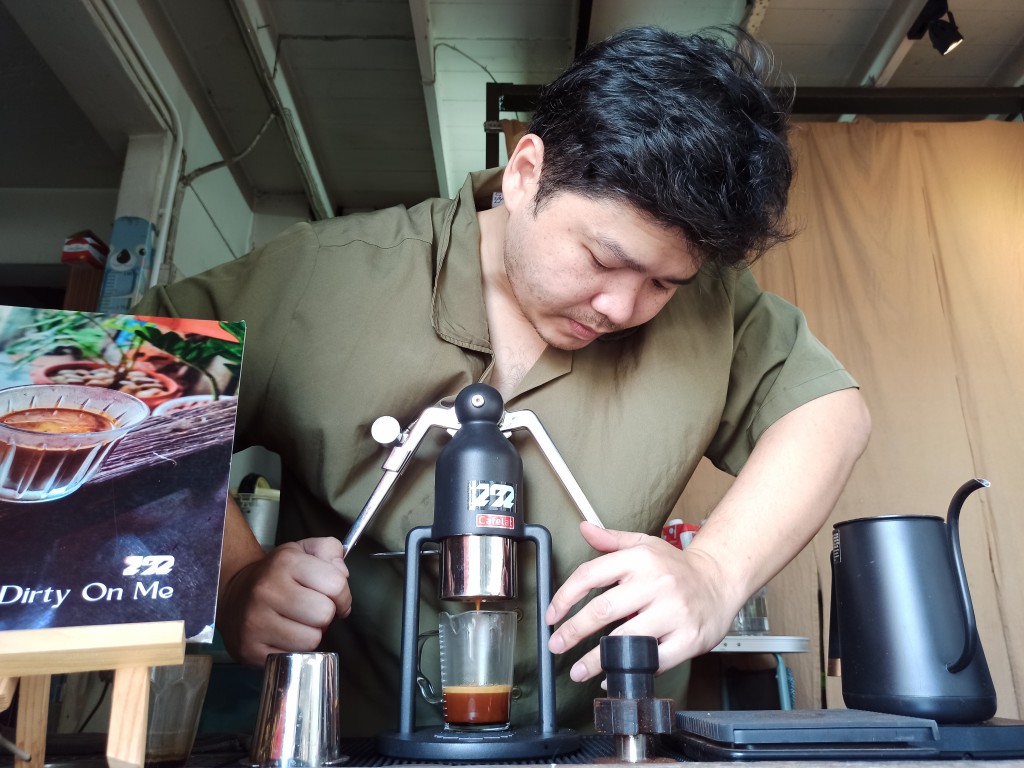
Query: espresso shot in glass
point(477, 649)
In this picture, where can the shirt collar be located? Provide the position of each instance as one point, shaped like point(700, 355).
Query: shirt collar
point(459, 315)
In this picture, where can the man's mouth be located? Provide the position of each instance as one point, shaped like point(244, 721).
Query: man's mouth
point(582, 332)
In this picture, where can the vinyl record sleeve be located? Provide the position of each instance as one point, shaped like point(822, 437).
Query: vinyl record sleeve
point(116, 436)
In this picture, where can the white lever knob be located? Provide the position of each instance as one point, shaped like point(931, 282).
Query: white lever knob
point(386, 430)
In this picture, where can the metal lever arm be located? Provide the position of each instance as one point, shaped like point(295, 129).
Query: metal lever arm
point(528, 420)
point(394, 465)
point(444, 416)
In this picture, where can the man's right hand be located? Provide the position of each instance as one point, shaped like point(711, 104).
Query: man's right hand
point(284, 601)
point(281, 601)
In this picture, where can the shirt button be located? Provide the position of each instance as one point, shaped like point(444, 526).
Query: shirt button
point(517, 693)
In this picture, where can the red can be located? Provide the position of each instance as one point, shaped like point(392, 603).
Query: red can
point(679, 534)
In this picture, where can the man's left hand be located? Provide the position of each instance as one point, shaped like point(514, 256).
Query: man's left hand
point(676, 596)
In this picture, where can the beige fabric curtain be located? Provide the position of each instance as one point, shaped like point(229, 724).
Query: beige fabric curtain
point(910, 267)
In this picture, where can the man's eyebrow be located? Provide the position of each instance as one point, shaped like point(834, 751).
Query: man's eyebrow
point(619, 253)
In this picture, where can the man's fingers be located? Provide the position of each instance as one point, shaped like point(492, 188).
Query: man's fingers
point(311, 571)
point(303, 588)
point(286, 600)
point(328, 549)
point(609, 539)
point(293, 601)
point(621, 559)
point(593, 574)
point(607, 608)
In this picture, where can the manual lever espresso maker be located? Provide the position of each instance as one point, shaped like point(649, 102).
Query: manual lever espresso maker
point(478, 522)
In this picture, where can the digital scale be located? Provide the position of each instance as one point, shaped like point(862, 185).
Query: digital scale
point(839, 734)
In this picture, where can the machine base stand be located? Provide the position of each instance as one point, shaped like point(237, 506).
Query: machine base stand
point(513, 744)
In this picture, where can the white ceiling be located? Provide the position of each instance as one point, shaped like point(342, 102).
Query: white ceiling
point(390, 93)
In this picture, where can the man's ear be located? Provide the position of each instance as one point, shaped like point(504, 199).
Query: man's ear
point(522, 173)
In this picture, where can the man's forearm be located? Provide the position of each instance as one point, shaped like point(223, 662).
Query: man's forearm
point(786, 491)
point(240, 548)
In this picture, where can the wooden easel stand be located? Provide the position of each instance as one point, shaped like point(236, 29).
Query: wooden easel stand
point(33, 655)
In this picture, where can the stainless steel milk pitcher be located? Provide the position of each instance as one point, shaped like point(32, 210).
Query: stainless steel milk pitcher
point(902, 628)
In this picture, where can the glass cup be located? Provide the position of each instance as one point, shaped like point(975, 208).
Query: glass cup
point(753, 617)
point(53, 437)
point(176, 695)
point(477, 650)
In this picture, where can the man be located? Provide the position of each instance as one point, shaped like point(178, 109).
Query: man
point(607, 293)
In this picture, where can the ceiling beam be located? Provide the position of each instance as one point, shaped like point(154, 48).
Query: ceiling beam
point(510, 97)
point(909, 101)
point(423, 35)
point(261, 43)
point(887, 47)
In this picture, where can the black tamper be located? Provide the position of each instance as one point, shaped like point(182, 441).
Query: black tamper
point(631, 713)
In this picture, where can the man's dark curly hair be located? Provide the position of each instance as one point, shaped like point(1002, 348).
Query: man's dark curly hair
point(683, 128)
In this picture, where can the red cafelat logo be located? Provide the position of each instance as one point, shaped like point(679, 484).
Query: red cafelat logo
point(495, 521)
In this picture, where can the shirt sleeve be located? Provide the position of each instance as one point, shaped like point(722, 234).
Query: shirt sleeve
point(777, 366)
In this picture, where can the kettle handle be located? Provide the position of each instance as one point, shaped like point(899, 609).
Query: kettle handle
point(953, 540)
point(835, 650)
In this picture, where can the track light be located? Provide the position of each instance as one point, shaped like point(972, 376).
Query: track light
point(944, 34)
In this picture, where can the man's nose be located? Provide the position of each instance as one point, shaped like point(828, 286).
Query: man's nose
point(617, 303)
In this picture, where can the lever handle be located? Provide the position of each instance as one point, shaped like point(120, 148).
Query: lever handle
point(405, 446)
point(528, 420)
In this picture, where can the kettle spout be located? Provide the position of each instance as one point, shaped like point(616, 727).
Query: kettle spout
point(956, 555)
point(965, 490)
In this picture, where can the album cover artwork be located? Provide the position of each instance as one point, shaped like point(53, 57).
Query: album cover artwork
point(116, 435)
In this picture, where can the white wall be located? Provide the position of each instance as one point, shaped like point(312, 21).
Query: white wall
point(469, 35)
point(215, 222)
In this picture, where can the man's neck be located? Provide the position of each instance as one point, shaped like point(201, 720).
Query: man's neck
point(514, 342)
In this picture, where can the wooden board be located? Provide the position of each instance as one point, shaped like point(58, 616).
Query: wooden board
point(25, 652)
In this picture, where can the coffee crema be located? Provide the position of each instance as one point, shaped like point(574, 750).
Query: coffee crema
point(59, 421)
point(477, 705)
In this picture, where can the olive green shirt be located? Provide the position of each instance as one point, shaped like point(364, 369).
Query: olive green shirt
point(383, 314)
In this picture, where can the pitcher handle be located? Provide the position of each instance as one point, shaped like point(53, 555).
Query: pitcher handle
point(953, 540)
point(427, 690)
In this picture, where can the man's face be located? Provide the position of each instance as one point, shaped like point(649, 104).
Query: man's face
point(580, 268)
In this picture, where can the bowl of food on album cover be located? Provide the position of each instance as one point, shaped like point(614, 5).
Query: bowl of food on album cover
point(54, 437)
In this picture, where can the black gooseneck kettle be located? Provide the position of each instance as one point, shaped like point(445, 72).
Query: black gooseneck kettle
point(902, 624)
